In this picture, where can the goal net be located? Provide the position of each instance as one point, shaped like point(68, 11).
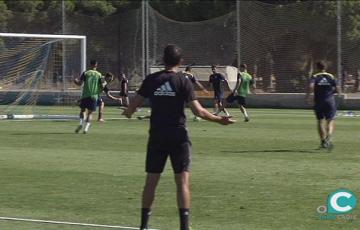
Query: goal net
point(39, 70)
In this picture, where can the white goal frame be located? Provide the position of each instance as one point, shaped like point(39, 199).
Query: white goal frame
point(56, 36)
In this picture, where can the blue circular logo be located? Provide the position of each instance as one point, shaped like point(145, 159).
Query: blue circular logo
point(341, 201)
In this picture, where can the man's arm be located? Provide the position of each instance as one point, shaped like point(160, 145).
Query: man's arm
point(80, 81)
point(227, 83)
point(136, 102)
point(310, 94)
point(107, 92)
point(253, 85)
point(201, 86)
point(238, 82)
point(199, 111)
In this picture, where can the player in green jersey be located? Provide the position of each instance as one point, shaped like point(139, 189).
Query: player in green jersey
point(92, 86)
point(244, 85)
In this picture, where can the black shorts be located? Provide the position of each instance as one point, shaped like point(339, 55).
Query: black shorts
point(173, 142)
point(230, 98)
point(88, 103)
point(325, 110)
point(241, 100)
point(123, 94)
point(218, 96)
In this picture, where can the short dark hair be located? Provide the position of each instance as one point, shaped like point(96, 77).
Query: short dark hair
point(188, 68)
point(109, 76)
point(172, 55)
point(93, 62)
point(321, 65)
point(243, 66)
point(213, 66)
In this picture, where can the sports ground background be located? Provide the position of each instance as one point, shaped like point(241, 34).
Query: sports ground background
point(265, 174)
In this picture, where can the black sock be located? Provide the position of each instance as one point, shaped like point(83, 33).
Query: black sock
point(184, 218)
point(145, 215)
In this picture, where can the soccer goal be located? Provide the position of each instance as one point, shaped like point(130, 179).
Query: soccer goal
point(202, 74)
point(37, 72)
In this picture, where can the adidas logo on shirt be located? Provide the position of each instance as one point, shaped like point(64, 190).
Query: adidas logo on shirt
point(323, 81)
point(165, 90)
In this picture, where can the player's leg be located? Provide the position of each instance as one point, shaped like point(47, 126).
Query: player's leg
point(183, 198)
point(91, 107)
point(321, 124)
point(88, 121)
point(216, 107)
point(101, 105)
point(242, 104)
point(148, 196)
point(155, 163)
point(81, 116)
point(330, 123)
point(322, 132)
point(222, 107)
point(180, 157)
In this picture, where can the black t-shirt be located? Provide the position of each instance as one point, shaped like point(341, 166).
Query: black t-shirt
point(168, 92)
point(123, 83)
point(216, 79)
point(324, 84)
point(190, 77)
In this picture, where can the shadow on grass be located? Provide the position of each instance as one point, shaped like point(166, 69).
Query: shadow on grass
point(49, 133)
point(275, 151)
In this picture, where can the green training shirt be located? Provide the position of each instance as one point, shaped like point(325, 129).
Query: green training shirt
point(244, 88)
point(92, 84)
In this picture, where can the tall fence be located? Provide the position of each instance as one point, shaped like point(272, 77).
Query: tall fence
point(278, 43)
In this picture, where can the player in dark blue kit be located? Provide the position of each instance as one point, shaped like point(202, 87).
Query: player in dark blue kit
point(189, 75)
point(216, 79)
point(322, 88)
point(124, 89)
point(105, 81)
point(168, 92)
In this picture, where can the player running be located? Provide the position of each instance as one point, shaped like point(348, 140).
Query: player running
point(216, 79)
point(189, 75)
point(105, 81)
point(91, 81)
point(124, 82)
point(322, 88)
point(169, 91)
point(243, 85)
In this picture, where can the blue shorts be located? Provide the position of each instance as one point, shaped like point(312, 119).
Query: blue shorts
point(325, 110)
point(88, 103)
point(99, 101)
point(219, 96)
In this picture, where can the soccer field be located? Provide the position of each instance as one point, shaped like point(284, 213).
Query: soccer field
point(265, 174)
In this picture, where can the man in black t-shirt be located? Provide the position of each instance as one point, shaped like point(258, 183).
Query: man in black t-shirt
point(168, 92)
point(189, 75)
point(217, 79)
point(105, 81)
point(322, 88)
point(124, 89)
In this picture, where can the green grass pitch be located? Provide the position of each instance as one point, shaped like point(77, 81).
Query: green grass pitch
point(265, 174)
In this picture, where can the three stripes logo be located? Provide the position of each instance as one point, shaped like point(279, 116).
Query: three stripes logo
point(165, 90)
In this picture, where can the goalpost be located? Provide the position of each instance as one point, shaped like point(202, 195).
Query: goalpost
point(37, 72)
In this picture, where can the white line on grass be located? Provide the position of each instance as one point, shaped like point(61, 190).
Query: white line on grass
point(67, 223)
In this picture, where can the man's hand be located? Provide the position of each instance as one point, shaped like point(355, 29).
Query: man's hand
point(226, 120)
point(77, 81)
